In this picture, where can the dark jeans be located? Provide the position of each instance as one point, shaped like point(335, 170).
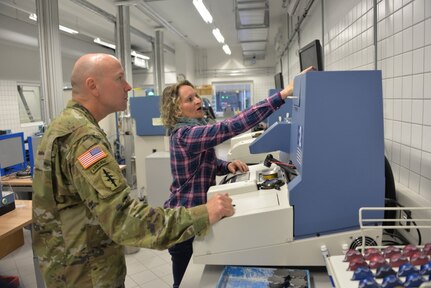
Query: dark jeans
point(180, 256)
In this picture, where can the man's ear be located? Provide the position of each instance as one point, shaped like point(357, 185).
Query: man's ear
point(92, 86)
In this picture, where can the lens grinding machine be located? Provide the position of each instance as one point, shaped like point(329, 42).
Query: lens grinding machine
point(288, 210)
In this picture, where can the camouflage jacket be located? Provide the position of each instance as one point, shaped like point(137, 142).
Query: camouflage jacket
point(82, 212)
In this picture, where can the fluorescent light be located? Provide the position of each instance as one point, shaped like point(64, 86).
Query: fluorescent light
point(103, 43)
point(217, 35)
point(140, 62)
point(134, 53)
point(226, 49)
point(68, 30)
point(33, 17)
point(205, 14)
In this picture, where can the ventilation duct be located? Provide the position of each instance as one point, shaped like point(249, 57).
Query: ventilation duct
point(252, 24)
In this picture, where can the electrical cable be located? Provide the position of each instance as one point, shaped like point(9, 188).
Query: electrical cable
point(288, 168)
point(227, 179)
point(408, 213)
point(404, 241)
point(392, 242)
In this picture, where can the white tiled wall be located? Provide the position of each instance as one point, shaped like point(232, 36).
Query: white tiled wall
point(404, 56)
point(349, 43)
point(9, 110)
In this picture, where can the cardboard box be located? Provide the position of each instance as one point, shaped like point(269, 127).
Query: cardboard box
point(205, 90)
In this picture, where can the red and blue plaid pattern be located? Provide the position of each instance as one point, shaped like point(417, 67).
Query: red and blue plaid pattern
point(194, 164)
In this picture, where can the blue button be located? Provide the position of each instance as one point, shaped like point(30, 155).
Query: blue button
point(391, 281)
point(406, 269)
point(413, 280)
point(368, 283)
point(362, 273)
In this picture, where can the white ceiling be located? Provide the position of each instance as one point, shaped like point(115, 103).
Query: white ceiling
point(180, 14)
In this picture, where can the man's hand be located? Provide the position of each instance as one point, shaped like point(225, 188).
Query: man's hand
point(237, 165)
point(218, 207)
point(288, 91)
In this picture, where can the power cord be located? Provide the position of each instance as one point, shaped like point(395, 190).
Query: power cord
point(408, 213)
point(288, 168)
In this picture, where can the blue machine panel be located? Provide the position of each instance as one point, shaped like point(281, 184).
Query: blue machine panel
point(337, 145)
point(273, 139)
point(286, 108)
point(146, 112)
point(33, 143)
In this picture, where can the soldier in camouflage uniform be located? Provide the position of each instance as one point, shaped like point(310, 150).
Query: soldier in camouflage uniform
point(82, 212)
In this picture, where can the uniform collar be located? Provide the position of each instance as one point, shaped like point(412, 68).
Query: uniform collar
point(75, 105)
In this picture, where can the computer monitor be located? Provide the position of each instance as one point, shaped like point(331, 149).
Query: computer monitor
point(311, 55)
point(12, 153)
point(278, 79)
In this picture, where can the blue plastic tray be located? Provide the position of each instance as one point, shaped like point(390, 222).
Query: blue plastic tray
point(249, 277)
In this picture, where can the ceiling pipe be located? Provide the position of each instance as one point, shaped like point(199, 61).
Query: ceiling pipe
point(150, 12)
point(93, 8)
point(298, 25)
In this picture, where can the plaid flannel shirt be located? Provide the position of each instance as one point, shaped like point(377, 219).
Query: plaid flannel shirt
point(194, 164)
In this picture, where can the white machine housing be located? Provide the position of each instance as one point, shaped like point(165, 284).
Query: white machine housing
point(261, 230)
point(240, 149)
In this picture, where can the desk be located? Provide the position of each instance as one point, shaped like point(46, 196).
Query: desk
point(11, 224)
point(24, 184)
point(21, 186)
point(14, 181)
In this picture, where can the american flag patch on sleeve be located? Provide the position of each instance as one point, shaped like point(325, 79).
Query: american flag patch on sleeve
point(91, 156)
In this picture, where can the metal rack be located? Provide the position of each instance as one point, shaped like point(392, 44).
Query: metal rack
point(364, 222)
point(337, 269)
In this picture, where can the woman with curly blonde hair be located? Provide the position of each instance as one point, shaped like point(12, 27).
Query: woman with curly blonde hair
point(194, 164)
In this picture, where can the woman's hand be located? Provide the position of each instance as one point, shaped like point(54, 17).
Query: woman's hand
point(288, 91)
point(237, 165)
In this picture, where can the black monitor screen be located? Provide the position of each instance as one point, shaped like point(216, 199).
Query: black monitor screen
point(311, 55)
point(278, 78)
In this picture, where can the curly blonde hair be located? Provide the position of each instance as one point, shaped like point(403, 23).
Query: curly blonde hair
point(170, 104)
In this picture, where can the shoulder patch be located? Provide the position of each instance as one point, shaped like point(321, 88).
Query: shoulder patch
point(110, 179)
point(91, 156)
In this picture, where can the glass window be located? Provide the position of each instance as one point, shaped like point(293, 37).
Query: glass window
point(231, 98)
point(29, 104)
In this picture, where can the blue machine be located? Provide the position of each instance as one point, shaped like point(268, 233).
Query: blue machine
point(336, 142)
point(146, 112)
point(33, 143)
point(12, 159)
point(286, 108)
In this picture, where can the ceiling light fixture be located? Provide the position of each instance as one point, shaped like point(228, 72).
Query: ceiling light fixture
point(103, 43)
point(140, 62)
point(226, 49)
point(205, 14)
point(218, 36)
point(134, 53)
point(33, 17)
point(67, 30)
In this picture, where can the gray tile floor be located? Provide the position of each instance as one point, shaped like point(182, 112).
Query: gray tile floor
point(145, 269)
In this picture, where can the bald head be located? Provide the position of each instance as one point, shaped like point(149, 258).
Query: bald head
point(89, 65)
point(99, 84)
